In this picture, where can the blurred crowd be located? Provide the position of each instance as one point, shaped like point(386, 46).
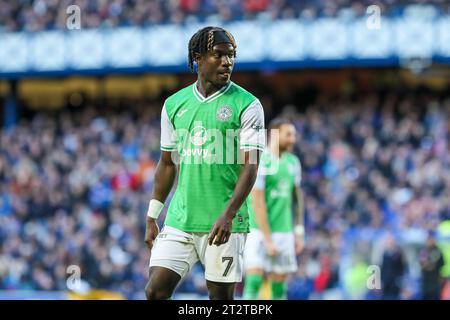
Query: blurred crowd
point(37, 15)
point(74, 188)
point(379, 163)
point(74, 191)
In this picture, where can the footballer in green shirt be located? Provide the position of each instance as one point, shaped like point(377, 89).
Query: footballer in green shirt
point(212, 133)
point(273, 242)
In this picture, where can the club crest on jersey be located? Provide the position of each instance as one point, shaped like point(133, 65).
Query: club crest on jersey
point(224, 113)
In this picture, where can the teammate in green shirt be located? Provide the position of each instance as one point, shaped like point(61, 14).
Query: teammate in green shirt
point(273, 242)
point(216, 129)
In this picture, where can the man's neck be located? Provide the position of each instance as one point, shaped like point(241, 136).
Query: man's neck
point(207, 88)
point(276, 150)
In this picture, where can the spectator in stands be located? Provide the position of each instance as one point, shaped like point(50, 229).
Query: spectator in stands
point(38, 15)
point(393, 269)
point(431, 262)
point(301, 286)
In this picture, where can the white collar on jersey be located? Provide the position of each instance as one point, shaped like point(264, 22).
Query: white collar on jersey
point(212, 97)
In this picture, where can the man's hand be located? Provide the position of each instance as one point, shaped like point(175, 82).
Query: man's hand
point(271, 249)
point(221, 230)
point(299, 244)
point(151, 232)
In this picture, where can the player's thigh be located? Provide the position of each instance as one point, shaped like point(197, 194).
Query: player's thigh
point(224, 263)
point(285, 261)
point(162, 283)
point(174, 250)
point(220, 290)
point(255, 257)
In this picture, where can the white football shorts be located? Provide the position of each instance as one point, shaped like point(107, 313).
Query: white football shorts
point(255, 254)
point(179, 251)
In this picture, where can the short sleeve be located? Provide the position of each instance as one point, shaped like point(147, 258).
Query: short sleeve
point(168, 138)
point(252, 135)
point(260, 182)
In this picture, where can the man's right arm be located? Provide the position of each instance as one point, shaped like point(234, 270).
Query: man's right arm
point(164, 178)
point(261, 214)
point(259, 205)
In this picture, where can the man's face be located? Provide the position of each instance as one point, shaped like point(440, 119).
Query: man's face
point(287, 137)
point(216, 65)
point(430, 242)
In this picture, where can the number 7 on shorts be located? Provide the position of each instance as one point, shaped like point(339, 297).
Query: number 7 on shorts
point(230, 262)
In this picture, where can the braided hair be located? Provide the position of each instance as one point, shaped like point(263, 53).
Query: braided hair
point(202, 42)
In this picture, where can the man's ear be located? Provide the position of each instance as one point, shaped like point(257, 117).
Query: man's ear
point(197, 57)
point(198, 61)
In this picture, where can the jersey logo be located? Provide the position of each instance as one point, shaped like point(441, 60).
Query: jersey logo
point(180, 114)
point(224, 113)
point(282, 190)
point(198, 135)
point(257, 126)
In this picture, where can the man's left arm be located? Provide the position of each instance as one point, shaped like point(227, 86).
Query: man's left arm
point(299, 228)
point(252, 140)
point(221, 231)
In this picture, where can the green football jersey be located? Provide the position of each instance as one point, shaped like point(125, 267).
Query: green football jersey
point(278, 177)
point(208, 134)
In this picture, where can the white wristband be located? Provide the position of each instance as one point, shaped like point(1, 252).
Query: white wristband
point(299, 230)
point(154, 208)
